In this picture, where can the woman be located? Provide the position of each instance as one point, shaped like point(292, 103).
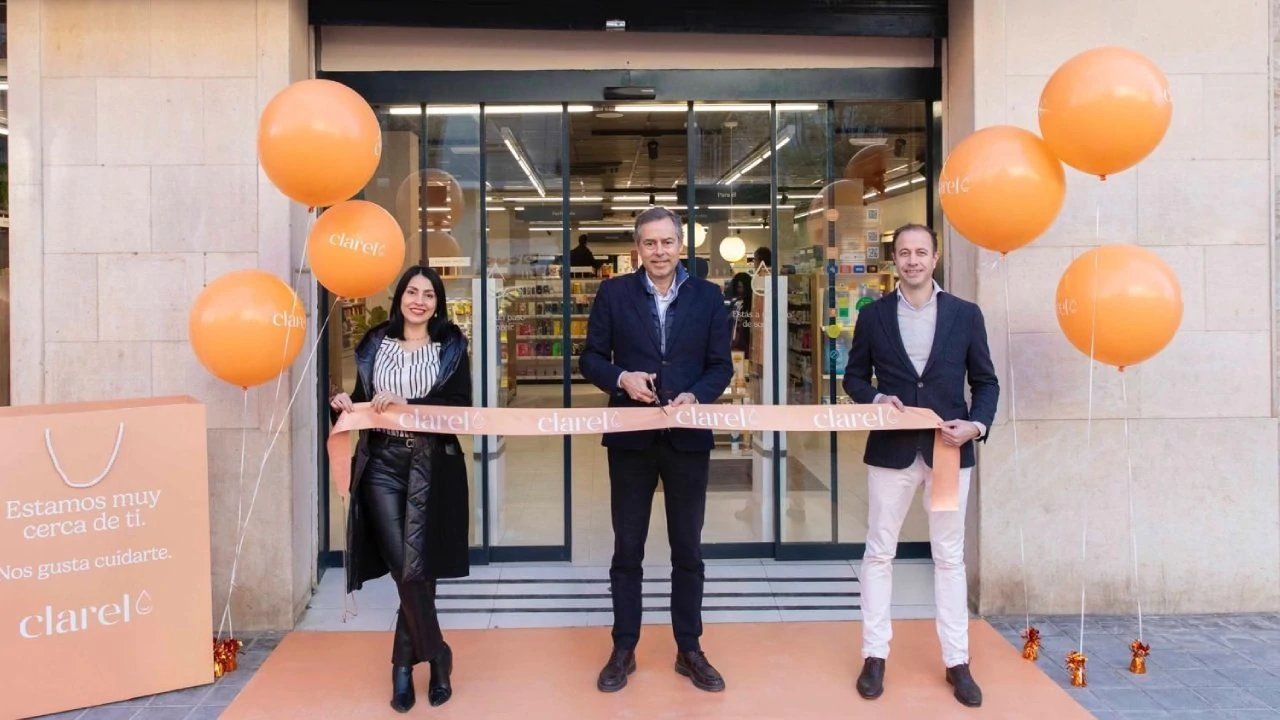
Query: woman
point(409, 496)
point(740, 312)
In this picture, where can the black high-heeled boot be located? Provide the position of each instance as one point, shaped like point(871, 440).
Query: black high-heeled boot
point(439, 690)
point(402, 695)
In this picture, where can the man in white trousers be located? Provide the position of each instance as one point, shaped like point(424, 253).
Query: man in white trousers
point(920, 344)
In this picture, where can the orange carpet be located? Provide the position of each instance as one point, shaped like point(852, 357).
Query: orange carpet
point(772, 670)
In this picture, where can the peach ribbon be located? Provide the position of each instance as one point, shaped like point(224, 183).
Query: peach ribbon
point(584, 421)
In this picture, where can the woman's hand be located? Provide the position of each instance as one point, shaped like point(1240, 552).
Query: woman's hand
point(384, 400)
point(341, 402)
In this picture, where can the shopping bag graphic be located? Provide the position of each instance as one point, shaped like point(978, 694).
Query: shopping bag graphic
point(104, 553)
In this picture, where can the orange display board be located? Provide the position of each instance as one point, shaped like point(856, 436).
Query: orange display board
point(104, 553)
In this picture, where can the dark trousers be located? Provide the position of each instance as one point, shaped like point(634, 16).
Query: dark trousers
point(383, 492)
point(633, 479)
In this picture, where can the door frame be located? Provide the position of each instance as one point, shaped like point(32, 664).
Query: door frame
point(563, 87)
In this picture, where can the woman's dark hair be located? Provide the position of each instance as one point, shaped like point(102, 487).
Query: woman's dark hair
point(438, 320)
point(740, 286)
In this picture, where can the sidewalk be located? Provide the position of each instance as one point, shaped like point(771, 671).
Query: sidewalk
point(1201, 666)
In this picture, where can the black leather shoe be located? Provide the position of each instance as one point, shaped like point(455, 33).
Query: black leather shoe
point(613, 676)
point(871, 679)
point(967, 691)
point(402, 695)
point(439, 690)
point(694, 666)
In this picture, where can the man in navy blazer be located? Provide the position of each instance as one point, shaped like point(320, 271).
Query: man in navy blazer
point(658, 336)
point(919, 344)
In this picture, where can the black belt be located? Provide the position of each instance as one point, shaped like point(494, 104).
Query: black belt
point(382, 438)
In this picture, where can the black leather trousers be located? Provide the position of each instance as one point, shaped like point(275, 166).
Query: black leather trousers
point(383, 491)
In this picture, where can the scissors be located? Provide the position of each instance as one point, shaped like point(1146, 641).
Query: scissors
point(656, 400)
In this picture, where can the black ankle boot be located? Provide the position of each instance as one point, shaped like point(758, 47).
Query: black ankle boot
point(439, 690)
point(402, 695)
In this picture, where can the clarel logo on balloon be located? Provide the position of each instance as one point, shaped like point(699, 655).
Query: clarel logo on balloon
point(357, 244)
point(953, 186)
point(51, 621)
point(288, 320)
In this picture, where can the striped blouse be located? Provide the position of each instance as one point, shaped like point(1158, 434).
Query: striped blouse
point(407, 373)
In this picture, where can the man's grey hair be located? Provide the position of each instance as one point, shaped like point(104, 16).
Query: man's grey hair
point(656, 213)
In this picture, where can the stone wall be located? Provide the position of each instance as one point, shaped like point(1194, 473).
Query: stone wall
point(134, 182)
point(1202, 414)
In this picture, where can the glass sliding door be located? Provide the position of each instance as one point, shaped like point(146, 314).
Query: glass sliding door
point(526, 347)
point(523, 196)
point(426, 181)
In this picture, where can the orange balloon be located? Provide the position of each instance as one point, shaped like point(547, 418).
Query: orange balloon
point(1105, 109)
point(1129, 295)
point(1001, 188)
point(246, 327)
point(355, 249)
point(319, 142)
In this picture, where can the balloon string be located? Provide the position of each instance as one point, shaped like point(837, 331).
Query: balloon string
point(1133, 529)
point(284, 352)
point(1093, 342)
point(253, 500)
point(1017, 453)
point(244, 437)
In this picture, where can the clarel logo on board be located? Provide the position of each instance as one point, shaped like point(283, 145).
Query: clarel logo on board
point(104, 545)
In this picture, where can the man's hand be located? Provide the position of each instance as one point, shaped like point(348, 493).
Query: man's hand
point(684, 399)
point(891, 400)
point(959, 432)
point(636, 385)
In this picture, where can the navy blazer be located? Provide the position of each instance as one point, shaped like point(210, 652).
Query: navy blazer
point(959, 349)
point(622, 334)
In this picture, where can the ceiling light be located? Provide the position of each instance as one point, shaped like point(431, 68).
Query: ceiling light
point(513, 146)
point(757, 156)
point(553, 199)
point(705, 107)
point(733, 249)
point(489, 110)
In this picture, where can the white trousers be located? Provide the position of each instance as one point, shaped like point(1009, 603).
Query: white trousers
point(889, 498)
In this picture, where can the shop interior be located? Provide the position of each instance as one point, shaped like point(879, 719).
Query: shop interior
point(844, 176)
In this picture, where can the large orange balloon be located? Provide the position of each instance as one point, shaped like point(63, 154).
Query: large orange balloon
point(246, 327)
point(355, 249)
point(1138, 304)
point(319, 142)
point(1104, 110)
point(1001, 188)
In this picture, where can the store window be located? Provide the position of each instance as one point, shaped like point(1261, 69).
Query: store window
point(789, 208)
point(853, 182)
point(428, 179)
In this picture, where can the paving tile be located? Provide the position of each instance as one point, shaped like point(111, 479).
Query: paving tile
point(109, 712)
point(1231, 699)
point(1183, 700)
point(1129, 701)
point(1267, 695)
point(190, 697)
point(162, 713)
point(221, 696)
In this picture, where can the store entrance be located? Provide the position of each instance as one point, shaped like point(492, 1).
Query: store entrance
point(527, 205)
